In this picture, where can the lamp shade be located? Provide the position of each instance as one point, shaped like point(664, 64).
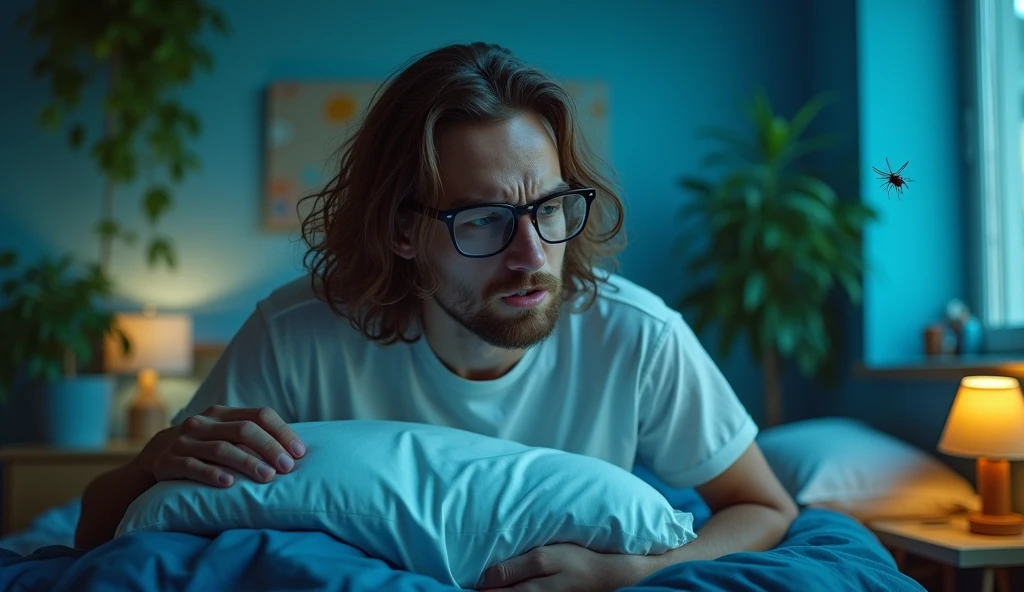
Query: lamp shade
point(160, 342)
point(986, 420)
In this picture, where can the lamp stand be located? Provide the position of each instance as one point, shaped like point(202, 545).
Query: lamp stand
point(995, 518)
point(147, 413)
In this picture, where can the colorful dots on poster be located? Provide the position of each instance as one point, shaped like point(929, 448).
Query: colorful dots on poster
point(280, 208)
point(339, 109)
point(282, 187)
point(310, 175)
point(598, 109)
point(281, 132)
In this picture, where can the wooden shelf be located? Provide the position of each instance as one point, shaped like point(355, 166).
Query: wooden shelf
point(944, 367)
point(121, 450)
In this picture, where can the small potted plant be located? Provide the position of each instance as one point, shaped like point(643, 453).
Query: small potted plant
point(52, 318)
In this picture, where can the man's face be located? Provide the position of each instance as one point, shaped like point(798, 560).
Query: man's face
point(514, 162)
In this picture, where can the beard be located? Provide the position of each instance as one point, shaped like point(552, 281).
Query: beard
point(521, 330)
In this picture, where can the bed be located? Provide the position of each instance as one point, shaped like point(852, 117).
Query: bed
point(825, 549)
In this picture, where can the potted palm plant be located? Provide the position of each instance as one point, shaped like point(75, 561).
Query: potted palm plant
point(780, 241)
point(52, 314)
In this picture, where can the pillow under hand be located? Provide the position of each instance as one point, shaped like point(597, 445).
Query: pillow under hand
point(428, 499)
point(845, 465)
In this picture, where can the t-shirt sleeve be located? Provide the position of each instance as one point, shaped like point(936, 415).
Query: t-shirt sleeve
point(245, 375)
point(692, 425)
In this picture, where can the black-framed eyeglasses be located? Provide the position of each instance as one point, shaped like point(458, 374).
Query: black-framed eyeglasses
point(486, 230)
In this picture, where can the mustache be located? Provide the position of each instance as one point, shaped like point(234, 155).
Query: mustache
point(545, 281)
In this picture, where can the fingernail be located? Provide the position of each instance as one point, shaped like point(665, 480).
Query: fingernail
point(285, 463)
point(297, 448)
point(264, 471)
point(224, 479)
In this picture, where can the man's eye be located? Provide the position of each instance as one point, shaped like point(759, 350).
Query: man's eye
point(483, 221)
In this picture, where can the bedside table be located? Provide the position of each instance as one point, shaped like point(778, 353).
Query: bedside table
point(952, 545)
point(37, 478)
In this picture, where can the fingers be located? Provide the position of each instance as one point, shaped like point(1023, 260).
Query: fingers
point(269, 420)
point(532, 564)
point(255, 442)
point(193, 469)
point(251, 435)
point(225, 454)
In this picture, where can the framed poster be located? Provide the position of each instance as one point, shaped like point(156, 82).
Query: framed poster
point(306, 124)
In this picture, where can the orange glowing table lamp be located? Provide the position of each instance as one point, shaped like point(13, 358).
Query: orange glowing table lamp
point(986, 422)
point(161, 344)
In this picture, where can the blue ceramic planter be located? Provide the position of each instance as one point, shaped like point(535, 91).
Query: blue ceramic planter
point(76, 413)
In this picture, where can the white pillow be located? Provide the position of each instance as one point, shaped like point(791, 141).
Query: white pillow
point(847, 466)
point(432, 500)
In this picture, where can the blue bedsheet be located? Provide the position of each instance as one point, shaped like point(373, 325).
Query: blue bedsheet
point(823, 550)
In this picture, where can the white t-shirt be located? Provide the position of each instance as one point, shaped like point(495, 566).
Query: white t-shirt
point(625, 380)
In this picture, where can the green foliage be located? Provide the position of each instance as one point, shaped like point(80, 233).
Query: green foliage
point(780, 241)
point(145, 50)
point(51, 318)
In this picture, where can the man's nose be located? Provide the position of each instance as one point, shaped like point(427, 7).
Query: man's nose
point(526, 251)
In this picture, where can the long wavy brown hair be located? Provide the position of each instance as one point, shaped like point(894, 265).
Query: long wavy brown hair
point(354, 221)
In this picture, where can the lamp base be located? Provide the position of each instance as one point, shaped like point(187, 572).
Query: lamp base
point(147, 414)
point(996, 524)
point(145, 420)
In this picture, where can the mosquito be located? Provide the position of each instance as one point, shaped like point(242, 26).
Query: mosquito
point(893, 180)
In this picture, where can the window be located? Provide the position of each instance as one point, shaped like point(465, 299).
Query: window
point(995, 118)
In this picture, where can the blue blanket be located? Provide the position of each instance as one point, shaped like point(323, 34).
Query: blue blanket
point(823, 550)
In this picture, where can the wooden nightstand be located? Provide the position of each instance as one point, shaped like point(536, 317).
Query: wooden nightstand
point(950, 544)
point(37, 478)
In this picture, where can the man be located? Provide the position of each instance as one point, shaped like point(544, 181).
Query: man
point(455, 280)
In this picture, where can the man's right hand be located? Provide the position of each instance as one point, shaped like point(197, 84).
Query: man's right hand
point(254, 442)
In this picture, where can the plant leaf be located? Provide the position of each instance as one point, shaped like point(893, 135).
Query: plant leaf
point(156, 202)
point(808, 112)
point(698, 186)
point(850, 284)
point(76, 136)
point(108, 229)
point(786, 338)
point(815, 212)
point(754, 291)
point(815, 188)
point(160, 249)
point(774, 236)
point(741, 146)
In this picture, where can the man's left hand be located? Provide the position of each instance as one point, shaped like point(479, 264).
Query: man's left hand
point(566, 568)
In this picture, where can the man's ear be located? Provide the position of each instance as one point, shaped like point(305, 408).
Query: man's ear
point(402, 244)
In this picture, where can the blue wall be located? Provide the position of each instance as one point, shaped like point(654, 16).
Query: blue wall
point(671, 67)
point(910, 92)
point(909, 85)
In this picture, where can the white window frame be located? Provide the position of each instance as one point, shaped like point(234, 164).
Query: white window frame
point(993, 106)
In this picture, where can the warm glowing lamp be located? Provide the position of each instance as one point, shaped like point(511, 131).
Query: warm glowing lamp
point(987, 423)
point(160, 344)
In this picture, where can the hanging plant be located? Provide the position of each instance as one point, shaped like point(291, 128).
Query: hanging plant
point(144, 51)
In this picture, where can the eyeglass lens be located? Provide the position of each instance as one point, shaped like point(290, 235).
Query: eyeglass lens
point(485, 230)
